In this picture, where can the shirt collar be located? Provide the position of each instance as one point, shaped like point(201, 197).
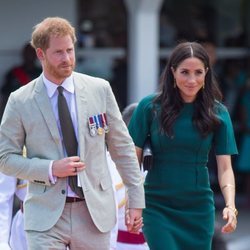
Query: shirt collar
point(51, 87)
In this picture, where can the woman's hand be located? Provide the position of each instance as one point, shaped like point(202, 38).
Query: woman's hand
point(133, 220)
point(229, 214)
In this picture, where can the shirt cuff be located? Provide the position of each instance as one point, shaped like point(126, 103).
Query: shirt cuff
point(52, 178)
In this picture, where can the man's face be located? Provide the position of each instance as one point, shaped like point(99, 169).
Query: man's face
point(58, 60)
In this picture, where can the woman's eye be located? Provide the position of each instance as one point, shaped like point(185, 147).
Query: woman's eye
point(199, 72)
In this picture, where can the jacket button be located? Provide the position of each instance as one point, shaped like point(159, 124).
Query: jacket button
point(63, 191)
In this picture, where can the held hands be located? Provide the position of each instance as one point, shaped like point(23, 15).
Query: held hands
point(229, 214)
point(68, 166)
point(133, 220)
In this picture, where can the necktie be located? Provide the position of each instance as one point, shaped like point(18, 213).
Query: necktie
point(69, 137)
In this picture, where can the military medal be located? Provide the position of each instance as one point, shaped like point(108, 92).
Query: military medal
point(99, 131)
point(105, 123)
point(92, 126)
point(98, 125)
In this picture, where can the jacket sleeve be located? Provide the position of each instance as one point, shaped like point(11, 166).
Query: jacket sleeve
point(122, 150)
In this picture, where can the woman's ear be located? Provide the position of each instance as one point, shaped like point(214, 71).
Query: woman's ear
point(173, 70)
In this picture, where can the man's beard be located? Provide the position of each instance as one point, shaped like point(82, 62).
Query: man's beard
point(59, 72)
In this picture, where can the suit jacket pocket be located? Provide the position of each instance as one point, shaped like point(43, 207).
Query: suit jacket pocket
point(36, 188)
point(105, 183)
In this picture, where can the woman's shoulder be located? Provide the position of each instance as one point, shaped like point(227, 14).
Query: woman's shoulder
point(221, 111)
point(148, 101)
point(147, 106)
point(220, 107)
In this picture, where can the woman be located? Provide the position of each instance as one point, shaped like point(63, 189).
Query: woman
point(183, 120)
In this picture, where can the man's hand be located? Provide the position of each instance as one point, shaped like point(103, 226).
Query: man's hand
point(134, 220)
point(68, 166)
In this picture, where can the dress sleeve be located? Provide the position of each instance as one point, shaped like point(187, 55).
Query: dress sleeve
point(224, 135)
point(139, 125)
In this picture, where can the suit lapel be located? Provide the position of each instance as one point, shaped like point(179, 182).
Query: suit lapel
point(43, 102)
point(81, 103)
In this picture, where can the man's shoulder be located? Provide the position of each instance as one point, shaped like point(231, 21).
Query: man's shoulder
point(29, 87)
point(87, 79)
point(91, 85)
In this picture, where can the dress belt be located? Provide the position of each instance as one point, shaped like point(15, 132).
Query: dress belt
point(129, 238)
point(73, 199)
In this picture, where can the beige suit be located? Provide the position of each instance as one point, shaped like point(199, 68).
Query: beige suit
point(29, 120)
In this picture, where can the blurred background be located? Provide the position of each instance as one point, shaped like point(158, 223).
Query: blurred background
point(128, 43)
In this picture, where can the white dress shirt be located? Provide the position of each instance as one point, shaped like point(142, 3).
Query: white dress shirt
point(69, 93)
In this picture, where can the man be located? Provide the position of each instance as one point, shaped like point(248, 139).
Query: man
point(12, 234)
point(70, 199)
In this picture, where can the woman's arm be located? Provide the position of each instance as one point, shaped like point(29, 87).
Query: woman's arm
point(227, 185)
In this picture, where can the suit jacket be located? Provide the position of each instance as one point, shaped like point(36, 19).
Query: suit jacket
point(29, 121)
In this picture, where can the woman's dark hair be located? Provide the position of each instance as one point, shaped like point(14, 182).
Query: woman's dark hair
point(204, 117)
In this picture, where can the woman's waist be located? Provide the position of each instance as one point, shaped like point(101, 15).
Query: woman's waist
point(180, 176)
point(169, 160)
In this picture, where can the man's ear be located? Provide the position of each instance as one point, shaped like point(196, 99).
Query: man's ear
point(40, 54)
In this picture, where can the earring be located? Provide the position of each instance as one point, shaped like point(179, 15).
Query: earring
point(203, 86)
point(174, 83)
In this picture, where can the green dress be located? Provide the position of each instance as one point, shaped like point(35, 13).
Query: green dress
point(179, 213)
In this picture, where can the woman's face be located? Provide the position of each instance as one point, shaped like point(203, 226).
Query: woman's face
point(190, 78)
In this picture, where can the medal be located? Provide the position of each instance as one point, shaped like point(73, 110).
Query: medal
point(93, 130)
point(98, 125)
point(101, 125)
point(104, 121)
point(92, 127)
point(99, 131)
